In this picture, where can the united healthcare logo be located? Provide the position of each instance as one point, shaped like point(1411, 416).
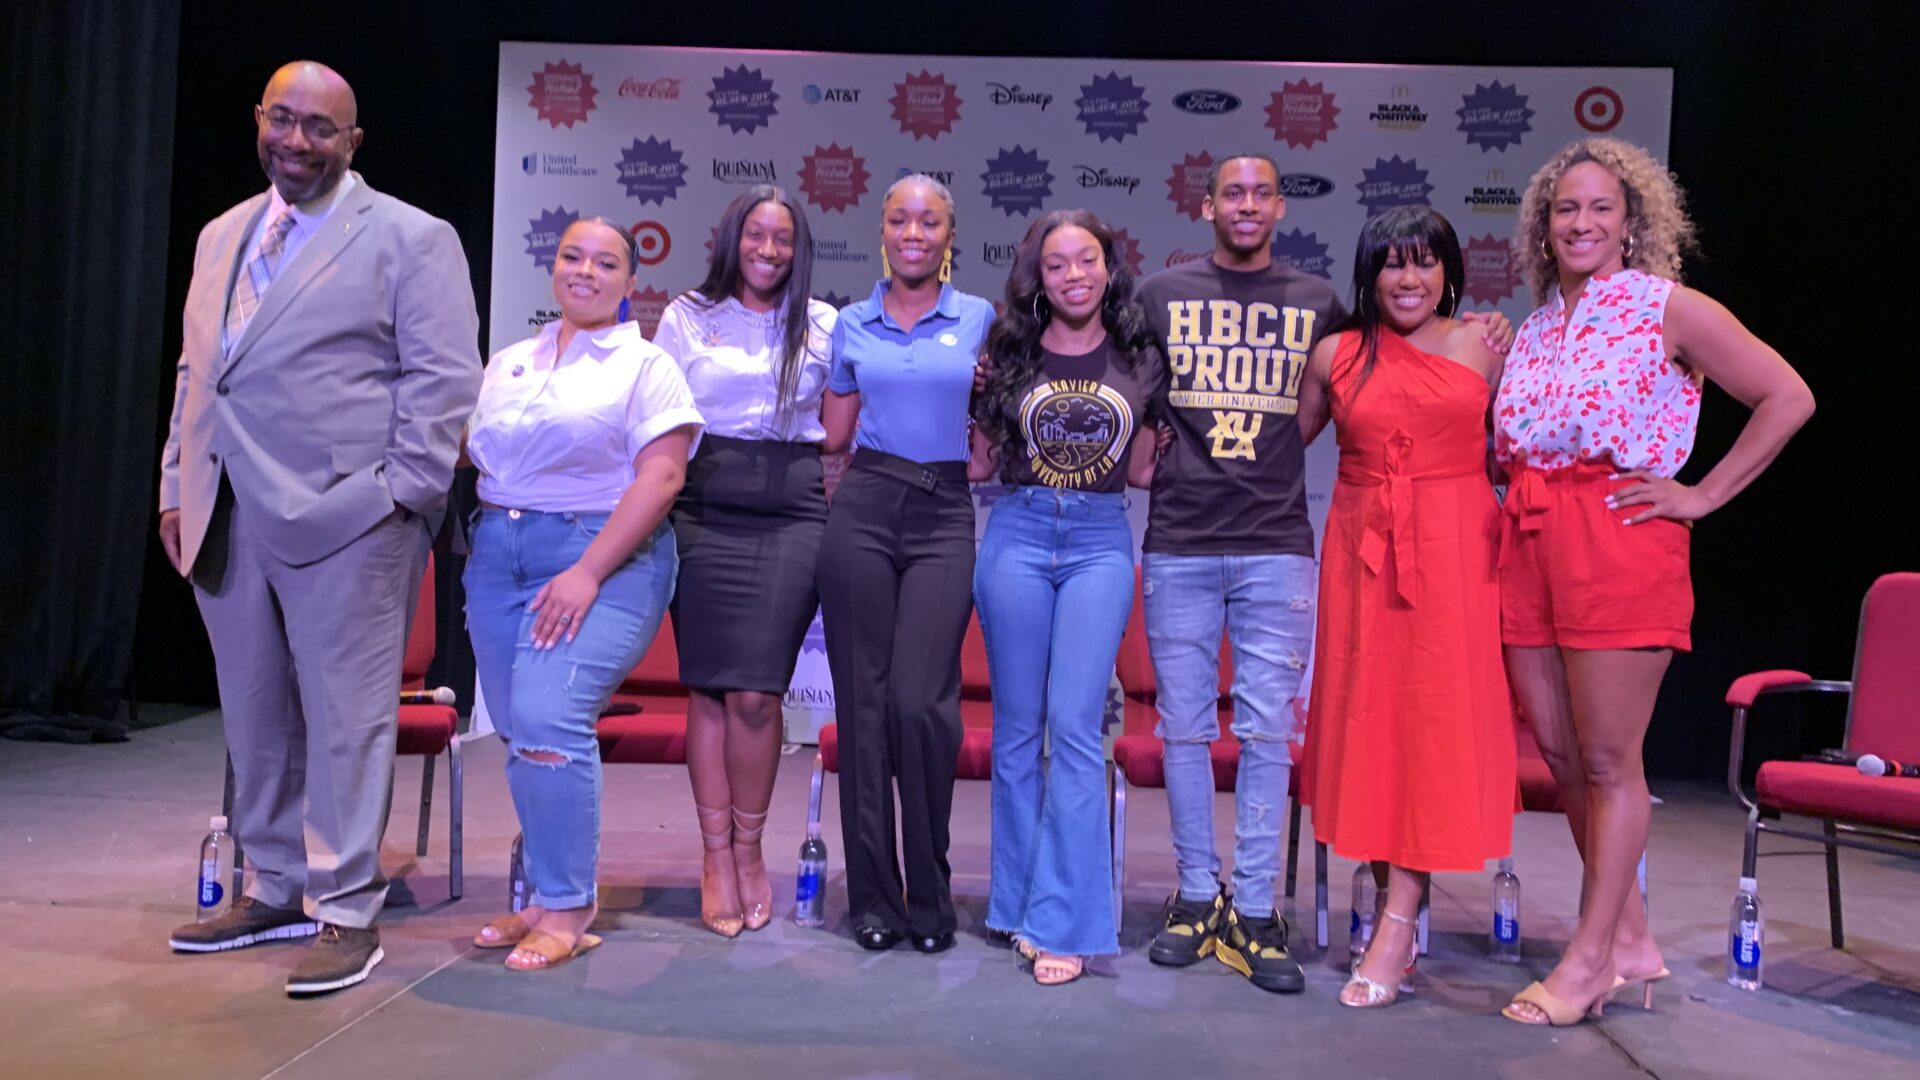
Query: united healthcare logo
point(556, 165)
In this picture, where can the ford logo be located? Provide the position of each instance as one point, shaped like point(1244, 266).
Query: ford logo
point(1299, 185)
point(1206, 102)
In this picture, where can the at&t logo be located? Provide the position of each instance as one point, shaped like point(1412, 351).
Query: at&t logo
point(814, 95)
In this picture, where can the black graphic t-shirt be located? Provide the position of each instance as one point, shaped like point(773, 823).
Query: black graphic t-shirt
point(1078, 420)
point(1236, 344)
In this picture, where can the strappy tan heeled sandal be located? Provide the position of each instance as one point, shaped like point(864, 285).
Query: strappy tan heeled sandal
point(716, 839)
point(756, 906)
point(1379, 995)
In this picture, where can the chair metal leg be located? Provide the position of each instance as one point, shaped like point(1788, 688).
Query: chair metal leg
point(1834, 925)
point(813, 793)
point(426, 804)
point(1293, 845)
point(456, 824)
point(1119, 841)
point(1751, 855)
point(1640, 874)
point(1420, 923)
point(233, 830)
point(1320, 893)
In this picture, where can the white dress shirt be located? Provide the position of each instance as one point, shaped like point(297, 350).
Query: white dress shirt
point(307, 219)
point(731, 357)
point(560, 432)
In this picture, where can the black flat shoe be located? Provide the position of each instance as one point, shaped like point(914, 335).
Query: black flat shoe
point(877, 938)
point(937, 943)
point(999, 939)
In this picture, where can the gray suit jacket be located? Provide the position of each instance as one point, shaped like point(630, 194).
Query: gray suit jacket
point(346, 395)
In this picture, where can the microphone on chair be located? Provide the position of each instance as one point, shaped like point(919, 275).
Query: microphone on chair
point(1875, 765)
point(439, 695)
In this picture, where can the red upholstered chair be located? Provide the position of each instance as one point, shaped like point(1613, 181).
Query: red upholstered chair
point(1874, 813)
point(975, 759)
point(645, 722)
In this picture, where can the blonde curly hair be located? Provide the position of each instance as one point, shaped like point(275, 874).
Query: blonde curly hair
point(1658, 228)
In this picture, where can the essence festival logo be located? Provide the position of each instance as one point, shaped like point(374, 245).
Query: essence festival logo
point(1205, 102)
point(562, 94)
point(1598, 109)
point(1393, 182)
point(1491, 275)
point(1087, 176)
point(1301, 114)
point(945, 176)
point(645, 307)
point(1304, 252)
point(841, 95)
point(1188, 185)
point(927, 105)
point(1495, 196)
point(543, 235)
point(1298, 185)
point(652, 170)
point(1112, 107)
point(1002, 94)
point(745, 171)
point(835, 300)
point(556, 165)
point(1494, 116)
point(651, 89)
point(651, 243)
point(1400, 112)
point(742, 99)
point(1017, 181)
point(1126, 251)
point(1001, 255)
point(837, 251)
point(833, 177)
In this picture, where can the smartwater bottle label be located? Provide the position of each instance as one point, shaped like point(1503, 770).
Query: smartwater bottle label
point(1506, 928)
point(1353, 921)
point(210, 889)
point(1746, 946)
point(807, 888)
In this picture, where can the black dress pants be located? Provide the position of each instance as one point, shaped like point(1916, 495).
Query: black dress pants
point(896, 589)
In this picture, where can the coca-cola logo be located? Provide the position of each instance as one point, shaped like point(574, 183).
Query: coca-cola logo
point(1304, 186)
point(1205, 102)
point(657, 89)
point(1178, 257)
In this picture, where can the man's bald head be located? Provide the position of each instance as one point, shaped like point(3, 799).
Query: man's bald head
point(308, 125)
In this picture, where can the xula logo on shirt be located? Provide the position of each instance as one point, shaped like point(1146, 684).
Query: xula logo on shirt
point(1241, 362)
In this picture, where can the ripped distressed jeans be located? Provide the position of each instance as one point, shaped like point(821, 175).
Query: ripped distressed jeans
point(545, 701)
point(1266, 605)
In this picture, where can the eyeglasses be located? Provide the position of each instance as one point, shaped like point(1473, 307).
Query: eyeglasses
point(318, 128)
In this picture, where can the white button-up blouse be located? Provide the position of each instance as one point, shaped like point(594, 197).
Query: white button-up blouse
point(731, 357)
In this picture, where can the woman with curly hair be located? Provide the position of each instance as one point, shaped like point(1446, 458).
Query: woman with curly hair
point(1594, 417)
point(1066, 420)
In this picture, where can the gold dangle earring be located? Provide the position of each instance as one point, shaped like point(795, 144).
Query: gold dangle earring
point(886, 268)
point(1626, 250)
point(946, 266)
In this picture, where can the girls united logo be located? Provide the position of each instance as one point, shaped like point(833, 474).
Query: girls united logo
point(563, 94)
point(1112, 107)
point(742, 99)
point(833, 178)
point(1301, 114)
point(927, 105)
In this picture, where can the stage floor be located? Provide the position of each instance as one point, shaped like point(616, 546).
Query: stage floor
point(98, 849)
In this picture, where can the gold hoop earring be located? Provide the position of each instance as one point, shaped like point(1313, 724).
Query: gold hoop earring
point(1546, 248)
point(1626, 248)
point(886, 268)
point(946, 266)
point(1036, 308)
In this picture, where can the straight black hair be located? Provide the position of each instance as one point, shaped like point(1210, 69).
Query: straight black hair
point(724, 279)
point(1412, 232)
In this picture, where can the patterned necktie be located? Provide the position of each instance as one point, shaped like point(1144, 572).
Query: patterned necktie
point(259, 274)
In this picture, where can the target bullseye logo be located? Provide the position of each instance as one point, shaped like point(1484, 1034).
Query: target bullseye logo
point(651, 243)
point(1598, 109)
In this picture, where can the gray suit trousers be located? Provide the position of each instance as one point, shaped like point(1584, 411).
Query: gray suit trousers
point(308, 661)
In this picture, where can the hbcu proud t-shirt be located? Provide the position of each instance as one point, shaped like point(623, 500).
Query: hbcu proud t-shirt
point(1078, 421)
point(1233, 482)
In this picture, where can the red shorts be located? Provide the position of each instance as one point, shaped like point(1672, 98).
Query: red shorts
point(1571, 574)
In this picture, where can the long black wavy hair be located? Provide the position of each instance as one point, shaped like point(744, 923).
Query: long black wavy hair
point(1013, 343)
point(724, 279)
point(1413, 232)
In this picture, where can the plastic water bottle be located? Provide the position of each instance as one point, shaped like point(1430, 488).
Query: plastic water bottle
point(216, 870)
point(1503, 944)
point(810, 889)
point(1360, 923)
point(1746, 931)
point(517, 877)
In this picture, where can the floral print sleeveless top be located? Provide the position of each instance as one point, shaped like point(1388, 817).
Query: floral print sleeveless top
point(1598, 387)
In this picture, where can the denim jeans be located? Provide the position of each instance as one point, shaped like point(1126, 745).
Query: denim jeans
point(1053, 585)
point(1265, 602)
point(547, 700)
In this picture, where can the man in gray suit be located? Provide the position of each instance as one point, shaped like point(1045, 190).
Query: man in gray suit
point(329, 361)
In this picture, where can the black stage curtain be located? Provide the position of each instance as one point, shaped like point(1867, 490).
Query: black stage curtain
point(86, 164)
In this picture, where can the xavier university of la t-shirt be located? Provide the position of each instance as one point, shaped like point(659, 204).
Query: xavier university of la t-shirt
point(1077, 421)
point(1233, 482)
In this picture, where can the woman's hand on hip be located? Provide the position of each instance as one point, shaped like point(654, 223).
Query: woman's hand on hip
point(1662, 497)
point(561, 606)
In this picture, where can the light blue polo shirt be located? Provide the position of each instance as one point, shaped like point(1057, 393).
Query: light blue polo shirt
point(914, 385)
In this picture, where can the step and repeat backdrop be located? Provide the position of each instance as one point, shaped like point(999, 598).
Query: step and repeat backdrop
point(663, 138)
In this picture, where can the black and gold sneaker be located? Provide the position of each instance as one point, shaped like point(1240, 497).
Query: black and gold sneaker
point(1257, 948)
point(1192, 930)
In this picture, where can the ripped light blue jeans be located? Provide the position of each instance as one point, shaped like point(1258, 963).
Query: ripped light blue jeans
point(1266, 605)
point(548, 700)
